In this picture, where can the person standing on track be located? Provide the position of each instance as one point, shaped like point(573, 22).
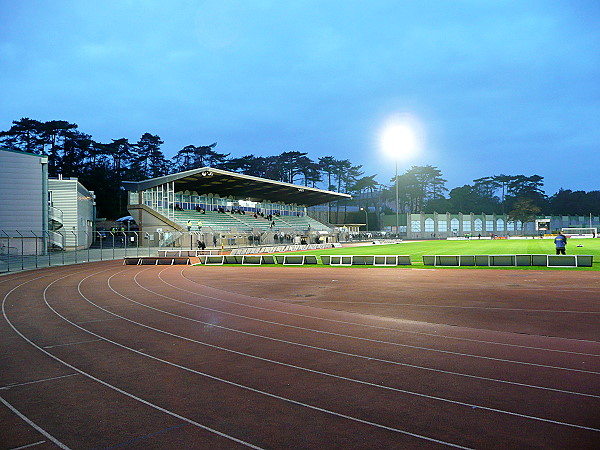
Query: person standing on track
point(561, 243)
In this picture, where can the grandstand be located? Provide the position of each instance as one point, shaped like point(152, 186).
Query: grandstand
point(229, 205)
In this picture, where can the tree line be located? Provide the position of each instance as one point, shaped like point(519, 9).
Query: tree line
point(102, 167)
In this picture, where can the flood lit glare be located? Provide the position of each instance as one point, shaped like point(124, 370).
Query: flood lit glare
point(399, 138)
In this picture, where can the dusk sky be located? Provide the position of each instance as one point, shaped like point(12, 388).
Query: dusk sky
point(495, 86)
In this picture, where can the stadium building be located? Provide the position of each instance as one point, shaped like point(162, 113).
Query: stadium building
point(448, 225)
point(228, 208)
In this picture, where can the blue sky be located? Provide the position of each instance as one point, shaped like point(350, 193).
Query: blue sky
point(496, 86)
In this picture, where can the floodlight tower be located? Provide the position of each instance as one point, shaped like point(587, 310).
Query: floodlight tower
point(399, 141)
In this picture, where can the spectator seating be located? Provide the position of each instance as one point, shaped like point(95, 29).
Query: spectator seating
point(246, 223)
point(301, 223)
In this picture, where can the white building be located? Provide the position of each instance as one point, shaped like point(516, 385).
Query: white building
point(23, 203)
point(37, 214)
point(74, 205)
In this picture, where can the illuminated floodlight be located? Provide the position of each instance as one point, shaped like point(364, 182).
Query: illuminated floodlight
point(399, 138)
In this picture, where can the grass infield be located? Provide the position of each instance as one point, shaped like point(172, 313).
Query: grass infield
point(416, 250)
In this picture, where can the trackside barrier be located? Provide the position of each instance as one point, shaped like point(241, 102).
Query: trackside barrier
point(253, 260)
point(219, 260)
point(509, 260)
point(296, 260)
point(570, 260)
point(156, 261)
point(367, 260)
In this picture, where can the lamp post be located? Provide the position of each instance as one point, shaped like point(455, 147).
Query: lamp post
point(398, 140)
point(397, 202)
point(366, 218)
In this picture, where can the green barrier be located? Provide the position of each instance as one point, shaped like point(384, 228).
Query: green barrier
point(562, 261)
point(502, 260)
point(523, 260)
point(585, 260)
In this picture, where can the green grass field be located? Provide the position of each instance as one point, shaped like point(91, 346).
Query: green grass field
point(416, 249)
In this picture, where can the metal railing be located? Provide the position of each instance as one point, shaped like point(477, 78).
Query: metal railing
point(30, 249)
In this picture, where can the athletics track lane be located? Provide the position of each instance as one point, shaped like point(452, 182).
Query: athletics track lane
point(270, 378)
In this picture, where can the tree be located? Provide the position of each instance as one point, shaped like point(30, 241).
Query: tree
point(194, 157)
point(292, 164)
point(77, 152)
point(148, 159)
point(524, 210)
point(54, 133)
point(310, 172)
point(25, 135)
point(416, 187)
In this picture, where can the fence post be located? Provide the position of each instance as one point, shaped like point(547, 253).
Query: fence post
point(22, 250)
point(113, 244)
point(48, 245)
point(64, 242)
point(7, 251)
point(36, 248)
point(76, 244)
point(100, 239)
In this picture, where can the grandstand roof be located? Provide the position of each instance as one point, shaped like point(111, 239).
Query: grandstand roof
point(207, 180)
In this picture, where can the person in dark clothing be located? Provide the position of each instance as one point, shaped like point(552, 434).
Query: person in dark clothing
point(561, 243)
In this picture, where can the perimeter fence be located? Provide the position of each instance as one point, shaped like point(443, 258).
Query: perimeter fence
point(28, 249)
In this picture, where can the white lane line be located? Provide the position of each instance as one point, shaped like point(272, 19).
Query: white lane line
point(420, 305)
point(32, 424)
point(330, 333)
point(222, 380)
point(28, 445)
point(10, 386)
point(71, 343)
point(121, 391)
point(98, 320)
point(470, 405)
point(421, 333)
point(338, 352)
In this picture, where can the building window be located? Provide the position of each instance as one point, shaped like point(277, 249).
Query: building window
point(478, 225)
point(442, 226)
point(489, 225)
point(454, 225)
point(429, 225)
point(415, 226)
point(467, 225)
point(500, 225)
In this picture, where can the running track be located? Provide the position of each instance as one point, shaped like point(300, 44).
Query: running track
point(102, 355)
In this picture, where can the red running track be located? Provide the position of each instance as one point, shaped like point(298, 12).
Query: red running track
point(104, 356)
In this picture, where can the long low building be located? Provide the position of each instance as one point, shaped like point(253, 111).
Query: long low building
point(216, 203)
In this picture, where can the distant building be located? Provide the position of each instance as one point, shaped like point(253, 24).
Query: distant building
point(447, 225)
